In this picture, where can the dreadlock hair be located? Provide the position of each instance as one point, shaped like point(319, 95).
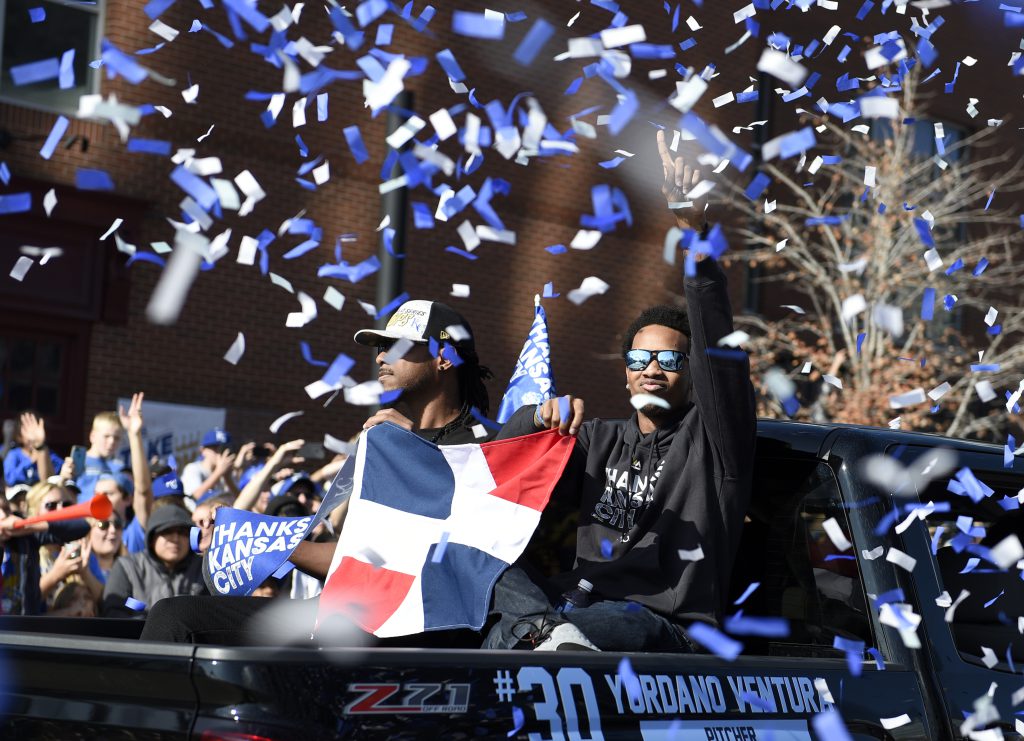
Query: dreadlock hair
point(673, 317)
point(471, 376)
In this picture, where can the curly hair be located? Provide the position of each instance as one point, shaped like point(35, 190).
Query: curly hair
point(673, 317)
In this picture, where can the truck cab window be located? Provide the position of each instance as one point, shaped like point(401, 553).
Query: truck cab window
point(962, 531)
point(803, 576)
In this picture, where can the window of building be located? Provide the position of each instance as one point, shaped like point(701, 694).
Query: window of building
point(802, 576)
point(31, 375)
point(67, 26)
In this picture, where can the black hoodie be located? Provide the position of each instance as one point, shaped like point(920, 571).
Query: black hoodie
point(643, 498)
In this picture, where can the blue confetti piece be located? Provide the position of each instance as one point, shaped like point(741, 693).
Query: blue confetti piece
point(390, 396)
point(549, 291)
point(556, 249)
point(606, 548)
point(829, 726)
point(928, 304)
point(747, 97)
point(33, 72)
point(321, 107)
point(351, 273)
point(995, 329)
point(993, 600)
point(539, 34)
point(385, 31)
point(119, 63)
point(989, 201)
point(299, 250)
point(460, 252)
point(303, 149)
point(950, 85)
point(355, 144)
point(687, 44)
point(450, 354)
point(392, 305)
point(66, 70)
point(135, 604)
point(949, 301)
point(37, 15)
point(612, 163)
point(957, 265)
point(149, 146)
point(140, 256)
point(451, 67)
point(518, 718)
point(860, 341)
point(370, 10)
point(715, 641)
point(757, 186)
point(1011, 445)
point(248, 13)
point(630, 680)
point(768, 627)
point(877, 656)
point(60, 126)
point(342, 24)
point(307, 355)
point(477, 25)
point(839, 557)
point(283, 569)
point(623, 113)
point(423, 217)
point(984, 367)
point(193, 538)
point(5, 173)
point(155, 8)
point(195, 186)
point(93, 179)
point(563, 407)
point(479, 417)
point(439, 548)
point(755, 700)
point(747, 592)
point(854, 653)
point(797, 142)
point(980, 267)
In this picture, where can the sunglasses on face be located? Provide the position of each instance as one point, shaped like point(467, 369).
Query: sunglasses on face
point(51, 506)
point(107, 524)
point(384, 345)
point(669, 360)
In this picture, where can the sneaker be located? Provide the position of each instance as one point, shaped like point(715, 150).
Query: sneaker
point(566, 637)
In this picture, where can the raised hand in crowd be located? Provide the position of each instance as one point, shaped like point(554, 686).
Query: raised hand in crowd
point(33, 440)
point(678, 179)
point(142, 480)
point(564, 413)
point(244, 458)
point(251, 491)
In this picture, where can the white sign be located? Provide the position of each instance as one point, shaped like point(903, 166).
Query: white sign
point(173, 429)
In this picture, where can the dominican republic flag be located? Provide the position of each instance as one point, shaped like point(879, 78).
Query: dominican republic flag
point(429, 529)
point(531, 383)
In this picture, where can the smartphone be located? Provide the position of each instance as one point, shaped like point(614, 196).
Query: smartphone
point(78, 459)
point(74, 550)
point(311, 451)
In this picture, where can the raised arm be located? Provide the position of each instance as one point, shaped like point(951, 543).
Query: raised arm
point(33, 436)
point(251, 491)
point(142, 478)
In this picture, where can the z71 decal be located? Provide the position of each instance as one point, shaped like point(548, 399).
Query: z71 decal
point(408, 697)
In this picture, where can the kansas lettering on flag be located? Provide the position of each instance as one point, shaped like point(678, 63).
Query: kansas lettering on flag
point(248, 547)
point(531, 383)
point(429, 529)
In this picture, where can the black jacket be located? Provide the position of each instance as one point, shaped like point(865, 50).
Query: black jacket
point(644, 498)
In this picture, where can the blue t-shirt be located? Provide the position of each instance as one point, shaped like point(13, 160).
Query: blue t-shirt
point(94, 468)
point(134, 536)
point(97, 570)
point(20, 469)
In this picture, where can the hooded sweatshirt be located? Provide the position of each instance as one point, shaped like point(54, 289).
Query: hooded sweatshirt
point(647, 503)
point(144, 577)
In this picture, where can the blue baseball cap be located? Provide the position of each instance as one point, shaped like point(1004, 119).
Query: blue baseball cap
point(215, 437)
point(168, 485)
point(284, 487)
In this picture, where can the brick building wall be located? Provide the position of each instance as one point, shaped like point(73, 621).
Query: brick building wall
point(183, 363)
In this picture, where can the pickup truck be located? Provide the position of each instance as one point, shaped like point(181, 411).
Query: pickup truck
point(868, 637)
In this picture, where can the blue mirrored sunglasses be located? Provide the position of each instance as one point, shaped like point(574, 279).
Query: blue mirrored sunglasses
point(669, 360)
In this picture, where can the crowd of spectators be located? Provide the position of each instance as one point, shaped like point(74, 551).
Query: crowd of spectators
point(121, 565)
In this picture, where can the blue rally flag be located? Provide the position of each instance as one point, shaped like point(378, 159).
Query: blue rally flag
point(247, 548)
point(532, 382)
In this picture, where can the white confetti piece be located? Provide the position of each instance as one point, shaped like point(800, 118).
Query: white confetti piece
point(21, 268)
point(45, 254)
point(816, 164)
point(939, 391)
point(875, 57)
point(901, 559)
point(622, 36)
point(890, 723)
point(873, 553)
point(112, 228)
point(907, 399)
point(734, 339)
point(460, 290)
point(322, 173)
point(190, 93)
point(176, 279)
point(806, 367)
point(337, 445)
point(823, 691)
point(1017, 698)
point(933, 260)
point(237, 349)
point(397, 351)
point(988, 657)
point(318, 388)
point(468, 235)
point(479, 431)
point(700, 190)
point(687, 94)
point(490, 234)
point(835, 534)
point(1007, 552)
point(305, 315)
point(160, 248)
point(747, 11)
point(443, 125)
point(781, 245)
point(852, 306)
point(226, 194)
point(585, 239)
point(769, 206)
point(368, 307)
point(692, 24)
point(780, 65)
point(372, 557)
point(832, 380)
point(591, 286)
point(990, 317)
point(162, 30)
point(985, 391)
point(279, 422)
point(404, 133)
point(876, 106)
point(639, 401)
point(364, 394)
point(247, 249)
point(793, 307)
point(696, 554)
point(869, 176)
point(201, 137)
point(381, 93)
point(49, 201)
point(281, 282)
point(723, 99)
point(458, 332)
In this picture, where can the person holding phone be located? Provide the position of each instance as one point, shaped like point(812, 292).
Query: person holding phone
point(212, 474)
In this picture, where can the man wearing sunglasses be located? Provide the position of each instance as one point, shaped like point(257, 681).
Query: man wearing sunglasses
point(662, 494)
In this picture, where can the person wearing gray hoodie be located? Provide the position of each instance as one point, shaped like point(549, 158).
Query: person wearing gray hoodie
point(167, 567)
